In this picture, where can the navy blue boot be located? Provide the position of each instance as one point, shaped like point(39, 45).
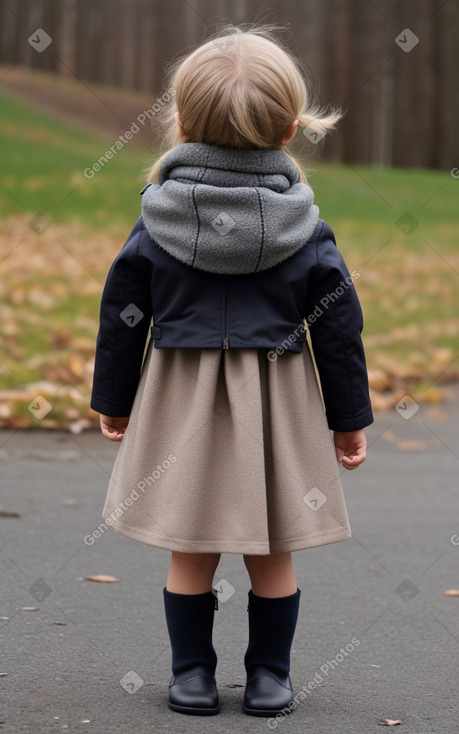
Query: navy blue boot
point(272, 625)
point(190, 617)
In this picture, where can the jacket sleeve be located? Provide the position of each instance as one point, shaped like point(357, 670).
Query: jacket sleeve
point(335, 322)
point(125, 317)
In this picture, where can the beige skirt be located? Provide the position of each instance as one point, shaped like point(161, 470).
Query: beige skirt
point(227, 452)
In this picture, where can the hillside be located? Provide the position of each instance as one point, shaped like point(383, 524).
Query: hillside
point(105, 111)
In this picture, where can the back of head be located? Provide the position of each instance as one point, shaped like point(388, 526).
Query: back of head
point(241, 89)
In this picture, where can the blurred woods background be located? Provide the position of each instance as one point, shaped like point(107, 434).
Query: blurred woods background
point(347, 44)
point(76, 79)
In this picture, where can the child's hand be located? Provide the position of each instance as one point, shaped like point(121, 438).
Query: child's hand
point(351, 448)
point(113, 428)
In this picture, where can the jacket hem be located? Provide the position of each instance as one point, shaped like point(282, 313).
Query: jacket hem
point(314, 540)
point(272, 347)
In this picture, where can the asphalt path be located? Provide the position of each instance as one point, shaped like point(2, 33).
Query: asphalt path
point(376, 639)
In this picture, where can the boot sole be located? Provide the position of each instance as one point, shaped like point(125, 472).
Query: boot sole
point(266, 712)
point(194, 710)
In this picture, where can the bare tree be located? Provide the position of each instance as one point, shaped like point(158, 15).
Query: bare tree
point(393, 93)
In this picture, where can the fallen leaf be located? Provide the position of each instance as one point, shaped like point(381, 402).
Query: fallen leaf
point(76, 362)
point(5, 513)
point(443, 356)
point(233, 685)
point(451, 592)
point(102, 578)
point(60, 338)
point(389, 722)
point(432, 395)
point(30, 609)
point(2, 675)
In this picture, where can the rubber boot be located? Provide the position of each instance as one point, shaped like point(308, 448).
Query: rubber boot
point(190, 617)
point(272, 625)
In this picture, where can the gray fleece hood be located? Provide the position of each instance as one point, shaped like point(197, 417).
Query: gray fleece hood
point(229, 210)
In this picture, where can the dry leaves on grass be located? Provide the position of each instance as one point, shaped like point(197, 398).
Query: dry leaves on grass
point(101, 578)
point(49, 321)
point(389, 722)
point(50, 288)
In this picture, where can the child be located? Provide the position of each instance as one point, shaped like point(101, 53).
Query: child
point(226, 443)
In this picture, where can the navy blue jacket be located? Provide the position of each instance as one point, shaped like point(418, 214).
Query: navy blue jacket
point(192, 308)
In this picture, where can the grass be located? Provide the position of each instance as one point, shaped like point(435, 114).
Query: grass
point(44, 159)
point(51, 283)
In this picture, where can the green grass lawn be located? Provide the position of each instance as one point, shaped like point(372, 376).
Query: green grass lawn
point(43, 164)
point(51, 282)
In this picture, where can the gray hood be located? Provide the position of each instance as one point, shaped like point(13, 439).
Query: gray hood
point(229, 210)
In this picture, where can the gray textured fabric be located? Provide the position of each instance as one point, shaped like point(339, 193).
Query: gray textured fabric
point(229, 210)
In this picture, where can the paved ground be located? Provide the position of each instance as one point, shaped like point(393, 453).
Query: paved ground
point(383, 589)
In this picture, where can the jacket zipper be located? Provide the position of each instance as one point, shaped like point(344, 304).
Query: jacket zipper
point(226, 319)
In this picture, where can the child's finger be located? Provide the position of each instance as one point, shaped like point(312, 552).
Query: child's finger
point(352, 461)
point(112, 433)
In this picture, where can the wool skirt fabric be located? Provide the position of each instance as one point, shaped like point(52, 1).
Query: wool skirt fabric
point(227, 451)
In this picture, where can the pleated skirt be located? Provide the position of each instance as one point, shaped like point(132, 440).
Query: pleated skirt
point(227, 451)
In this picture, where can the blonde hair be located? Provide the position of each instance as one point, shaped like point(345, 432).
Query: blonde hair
point(241, 89)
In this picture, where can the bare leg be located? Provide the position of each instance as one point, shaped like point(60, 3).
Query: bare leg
point(191, 573)
point(271, 576)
